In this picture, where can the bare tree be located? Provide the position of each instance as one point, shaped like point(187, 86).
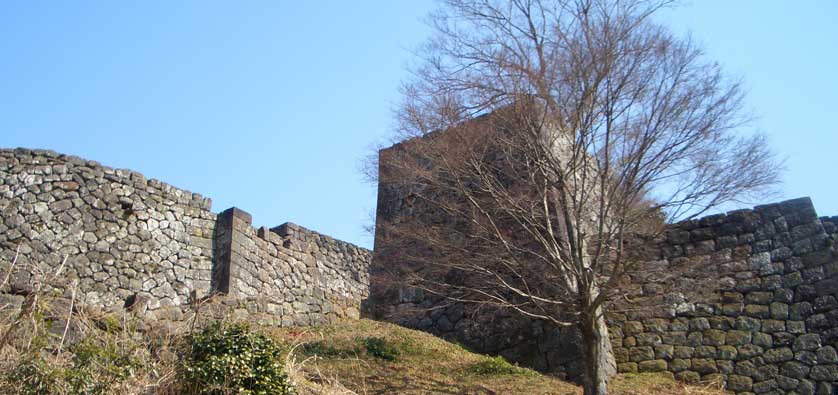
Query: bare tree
point(543, 137)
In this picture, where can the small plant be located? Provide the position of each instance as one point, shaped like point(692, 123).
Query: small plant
point(323, 350)
point(34, 376)
point(381, 348)
point(96, 367)
point(233, 359)
point(495, 366)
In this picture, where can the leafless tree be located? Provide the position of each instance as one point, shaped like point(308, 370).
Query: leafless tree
point(542, 138)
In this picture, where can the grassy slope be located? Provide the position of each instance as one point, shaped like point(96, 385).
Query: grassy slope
point(429, 365)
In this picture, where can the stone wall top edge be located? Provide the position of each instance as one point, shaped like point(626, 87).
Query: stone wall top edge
point(290, 229)
point(66, 158)
point(128, 173)
point(785, 207)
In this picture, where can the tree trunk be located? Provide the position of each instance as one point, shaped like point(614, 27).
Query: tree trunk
point(599, 358)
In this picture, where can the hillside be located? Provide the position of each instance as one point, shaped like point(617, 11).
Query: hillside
point(99, 353)
point(369, 357)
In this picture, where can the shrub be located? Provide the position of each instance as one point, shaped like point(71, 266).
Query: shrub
point(33, 376)
point(233, 359)
point(380, 348)
point(495, 366)
point(96, 367)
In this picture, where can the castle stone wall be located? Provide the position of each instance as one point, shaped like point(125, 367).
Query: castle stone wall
point(774, 329)
point(112, 238)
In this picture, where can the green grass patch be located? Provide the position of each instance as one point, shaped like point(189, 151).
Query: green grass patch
point(323, 349)
point(381, 348)
point(497, 366)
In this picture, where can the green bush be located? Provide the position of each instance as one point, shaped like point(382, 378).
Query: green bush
point(495, 366)
point(227, 359)
point(96, 367)
point(34, 376)
point(381, 348)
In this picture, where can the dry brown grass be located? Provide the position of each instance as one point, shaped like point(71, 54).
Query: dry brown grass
point(39, 354)
point(430, 365)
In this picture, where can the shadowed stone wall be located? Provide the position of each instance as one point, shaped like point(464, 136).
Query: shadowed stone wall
point(116, 239)
point(773, 331)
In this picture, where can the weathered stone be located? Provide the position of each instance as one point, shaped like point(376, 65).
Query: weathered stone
point(758, 311)
point(688, 377)
point(632, 327)
point(787, 383)
point(679, 365)
point(714, 337)
point(657, 365)
point(627, 367)
point(805, 387)
point(800, 311)
point(737, 338)
point(827, 355)
point(664, 351)
point(726, 352)
point(826, 389)
point(739, 383)
point(824, 373)
point(779, 311)
point(748, 351)
point(806, 357)
point(647, 339)
point(795, 370)
point(683, 352)
point(808, 342)
point(778, 355)
point(759, 297)
point(773, 326)
point(705, 352)
point(763, 387)
point(637, 354)
point(704, 365)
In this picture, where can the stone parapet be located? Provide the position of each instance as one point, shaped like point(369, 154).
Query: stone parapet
point(113, 238)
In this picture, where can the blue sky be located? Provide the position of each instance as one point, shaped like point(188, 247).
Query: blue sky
point(271, 105)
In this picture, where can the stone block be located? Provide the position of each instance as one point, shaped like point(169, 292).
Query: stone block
point(688, 377)
point(637, 354)
point(739, 383)
point(827, 355)
point(726, 352)
point(807, 342)
point(627, 367)
point(777, 355)
point(714, 337)
point(795, 370)
point(657, 365)
point(679, 365)
point(737, 337)
point(704, 365)
point(824, 373)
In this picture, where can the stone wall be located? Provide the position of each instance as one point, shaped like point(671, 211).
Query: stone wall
point(775, 328)
point(772, 327)
point(481, 328)
point(312, 278)
point(113, 238)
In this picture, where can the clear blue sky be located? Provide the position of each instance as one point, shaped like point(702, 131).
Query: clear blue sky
point(271, 105)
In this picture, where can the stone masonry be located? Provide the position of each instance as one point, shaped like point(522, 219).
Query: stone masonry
point(117, 239)
point(773, 328)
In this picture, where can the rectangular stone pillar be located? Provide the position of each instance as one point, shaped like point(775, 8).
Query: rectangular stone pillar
point(230, 227)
